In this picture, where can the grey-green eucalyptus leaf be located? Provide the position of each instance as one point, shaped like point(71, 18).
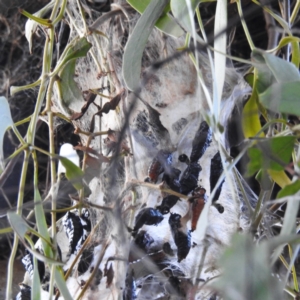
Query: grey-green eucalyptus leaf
point(165, 23)
point(180, 10)
point(61, 283)
point(282, 97)
point(18, 224)
point(5, 122)
point(132, 60)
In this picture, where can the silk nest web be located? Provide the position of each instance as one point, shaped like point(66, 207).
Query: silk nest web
point(157, 197)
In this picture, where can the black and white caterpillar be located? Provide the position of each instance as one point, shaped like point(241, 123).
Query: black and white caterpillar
point(158, 239)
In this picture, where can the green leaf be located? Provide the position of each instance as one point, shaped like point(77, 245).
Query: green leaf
point(18, 224)
point(36, 283)
point(282, 97)
point(252, 271)
point(180, 11)
point(136, 43)
point(250, 119)
point(73, 173)
point(290, 189)
point(61, 283)
point(71, 98)
point(43, 258)
point(255, 162)
point(165, 23)
point(280, 178)
point(77, 48)
point(272, 69)
point(5, 122)
point(41, 223)
point(271, 154)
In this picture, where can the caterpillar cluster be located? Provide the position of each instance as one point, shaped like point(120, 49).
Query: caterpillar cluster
point(76, 228)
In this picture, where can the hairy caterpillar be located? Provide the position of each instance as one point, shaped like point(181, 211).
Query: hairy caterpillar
point(175, 147)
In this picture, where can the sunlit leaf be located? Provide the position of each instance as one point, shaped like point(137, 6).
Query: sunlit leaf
point(5, 122)
point(165, 23)
point(271, 154)
point(282, 97)
point(136, 43)
point(280, 178)
point(290, 189)
point(250, 119)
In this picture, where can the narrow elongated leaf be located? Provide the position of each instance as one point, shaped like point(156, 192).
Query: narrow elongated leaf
point(220, 46)
point(18, 224)
point(36, 283)
point(43, 258)
point(61, 283)
point(180, 11)
point(250, 120)
point(5, 122)
point(165, 23)
point(290, 216)
point(41, 223)
point(137, 41)
point(282, 97)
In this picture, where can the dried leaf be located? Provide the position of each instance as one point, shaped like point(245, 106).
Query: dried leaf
point(90, 99)
point(111, 105)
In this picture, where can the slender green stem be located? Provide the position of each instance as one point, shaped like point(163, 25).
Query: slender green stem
point(17, 152)
point(295, 12)
point(55, 10)
point(61, 12)
point(293, 269)
point(247, 33)
point(16, 89)
point(26, 120)
point(16, 239)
